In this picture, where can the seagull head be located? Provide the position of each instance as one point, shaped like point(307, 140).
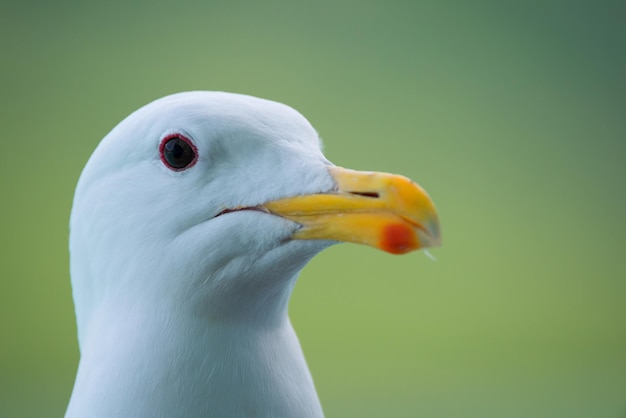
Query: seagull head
point(189, 226)
point(212, 202)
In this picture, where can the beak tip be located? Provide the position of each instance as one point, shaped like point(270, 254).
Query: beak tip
point(431, 235)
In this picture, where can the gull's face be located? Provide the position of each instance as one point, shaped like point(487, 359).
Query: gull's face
point(213, 195)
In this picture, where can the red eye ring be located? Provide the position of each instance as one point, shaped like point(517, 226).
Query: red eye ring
point(177, 152)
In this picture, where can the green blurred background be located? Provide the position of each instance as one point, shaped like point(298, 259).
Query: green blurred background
point(511, 114)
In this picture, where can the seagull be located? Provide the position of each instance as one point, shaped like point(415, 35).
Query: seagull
point(190, 224)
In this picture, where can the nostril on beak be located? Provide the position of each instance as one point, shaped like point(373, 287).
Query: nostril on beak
point(373, 195)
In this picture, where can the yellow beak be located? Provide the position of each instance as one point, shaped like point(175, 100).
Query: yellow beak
point(385, 211)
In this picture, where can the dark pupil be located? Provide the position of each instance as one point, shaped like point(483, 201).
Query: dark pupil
point(178, 153)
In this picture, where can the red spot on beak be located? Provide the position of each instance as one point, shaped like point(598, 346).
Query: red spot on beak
point(398, 239)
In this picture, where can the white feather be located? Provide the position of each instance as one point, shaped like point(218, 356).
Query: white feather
point(179, 314)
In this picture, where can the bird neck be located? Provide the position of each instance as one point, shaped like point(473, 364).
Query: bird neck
point(176, 364)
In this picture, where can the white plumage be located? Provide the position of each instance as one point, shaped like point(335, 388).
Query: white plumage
point(181, 298)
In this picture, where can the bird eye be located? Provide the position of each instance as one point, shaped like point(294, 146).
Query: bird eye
point(178, 152)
